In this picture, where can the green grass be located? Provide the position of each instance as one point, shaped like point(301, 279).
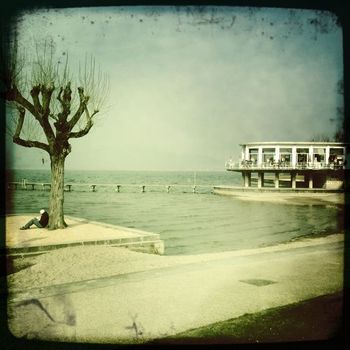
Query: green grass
point(315, 319)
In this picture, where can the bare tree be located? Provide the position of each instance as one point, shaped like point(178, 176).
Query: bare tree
point(50, 106)
point(321, 138)
point(340, 134)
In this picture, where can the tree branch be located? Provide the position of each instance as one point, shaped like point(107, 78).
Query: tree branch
point(26, 143)
point(88, 126)
point(35, 96)
point(20, 121)
point(65, 102)
point(46, 97)
point(45, 124)
point(14, 95)
point(29, 143)
point(82, 106)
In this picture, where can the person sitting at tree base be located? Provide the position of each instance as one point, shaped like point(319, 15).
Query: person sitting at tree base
point(40, 223)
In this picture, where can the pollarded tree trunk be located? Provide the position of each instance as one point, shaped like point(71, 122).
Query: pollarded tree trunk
point(56, 219)
point(57, 112)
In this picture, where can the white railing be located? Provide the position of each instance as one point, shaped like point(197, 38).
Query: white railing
point(246, 164)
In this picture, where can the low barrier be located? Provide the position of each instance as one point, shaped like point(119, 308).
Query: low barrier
point(45, 186)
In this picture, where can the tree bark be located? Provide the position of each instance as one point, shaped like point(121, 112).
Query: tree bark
point(56, 219)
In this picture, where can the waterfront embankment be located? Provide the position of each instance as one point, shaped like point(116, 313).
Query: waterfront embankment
point(284, 195)
point(111, 294)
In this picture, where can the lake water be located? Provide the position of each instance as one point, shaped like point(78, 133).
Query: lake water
point(189, 223)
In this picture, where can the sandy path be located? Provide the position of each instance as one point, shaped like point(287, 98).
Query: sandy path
point(81, 263)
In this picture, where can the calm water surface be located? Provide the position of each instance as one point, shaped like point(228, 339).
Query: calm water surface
point(189, 223)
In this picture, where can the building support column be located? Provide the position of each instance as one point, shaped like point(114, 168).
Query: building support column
point(327, 155)
point(311, 156)
point(260, 156)
point(311, 180)
point(277, 180)
point(294, 157)
point(247, 177)
point(260, 179)
point(294, 180)
point(277, 154)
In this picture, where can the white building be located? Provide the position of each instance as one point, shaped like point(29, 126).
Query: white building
point(293, 164)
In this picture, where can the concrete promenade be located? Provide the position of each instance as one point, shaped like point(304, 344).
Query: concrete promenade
point(150, 304)
point(79, 232)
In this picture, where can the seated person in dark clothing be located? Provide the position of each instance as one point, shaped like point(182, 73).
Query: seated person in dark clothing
point(41, 223)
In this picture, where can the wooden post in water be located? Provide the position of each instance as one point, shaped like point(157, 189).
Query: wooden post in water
point(143, 188)
point(44, 185)
point(194, 182)
point(168, 188)
point(118, 188)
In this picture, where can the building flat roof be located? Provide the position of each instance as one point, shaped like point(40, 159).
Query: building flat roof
point(295, 143)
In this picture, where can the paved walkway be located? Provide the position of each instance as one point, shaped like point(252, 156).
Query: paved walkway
point(152, 304)
point(78, 232)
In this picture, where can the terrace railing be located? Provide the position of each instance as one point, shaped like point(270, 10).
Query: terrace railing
point(247, 164)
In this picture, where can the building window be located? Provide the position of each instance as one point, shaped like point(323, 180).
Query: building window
point(302, 155)
point(336, 156)
point(285, 156)
point(319, 155)
point(268, 155)
point(337, 151)
point(253, 155)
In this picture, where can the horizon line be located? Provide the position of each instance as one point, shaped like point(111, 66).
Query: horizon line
point(159, 170)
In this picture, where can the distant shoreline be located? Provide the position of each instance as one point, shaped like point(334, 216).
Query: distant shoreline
point(285, 195)
point(126, 170)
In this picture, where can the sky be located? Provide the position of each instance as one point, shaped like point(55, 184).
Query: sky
point(189, 84)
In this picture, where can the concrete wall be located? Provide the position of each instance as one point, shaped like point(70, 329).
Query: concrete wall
point(334, 184)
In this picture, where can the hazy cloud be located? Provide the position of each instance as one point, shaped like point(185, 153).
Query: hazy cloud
point(189, 84)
